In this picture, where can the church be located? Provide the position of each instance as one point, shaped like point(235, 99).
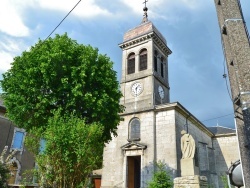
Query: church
point(152, 125)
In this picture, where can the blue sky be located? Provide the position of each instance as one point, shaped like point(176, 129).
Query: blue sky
point(190, 27)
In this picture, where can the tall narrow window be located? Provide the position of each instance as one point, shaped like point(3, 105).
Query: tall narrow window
point(143, 60)
point(131, 63)
point(155, 60)
point(162, 69)
point(134, 129)
point(203, 156)
point(18, 139)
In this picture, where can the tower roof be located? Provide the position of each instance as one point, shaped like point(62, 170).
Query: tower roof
point(145, 27)
point(142, 29)
point(146, 30)
point(142, 32)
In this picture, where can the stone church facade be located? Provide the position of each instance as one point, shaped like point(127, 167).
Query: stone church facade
point(152, 125)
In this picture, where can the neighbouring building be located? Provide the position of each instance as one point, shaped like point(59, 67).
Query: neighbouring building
point(23, 160)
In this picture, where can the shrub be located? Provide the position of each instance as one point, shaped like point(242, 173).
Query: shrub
point(161, 177)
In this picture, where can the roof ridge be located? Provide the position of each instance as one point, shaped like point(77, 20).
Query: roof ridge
point(222, 127)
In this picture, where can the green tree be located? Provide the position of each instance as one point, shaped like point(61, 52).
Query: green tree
point(60, 73)
point(161, 178)
point(73, 150)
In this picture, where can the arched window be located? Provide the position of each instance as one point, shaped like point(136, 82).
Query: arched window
point(134, 129)
point(15, 168)
point(131, 63)
point(143, 65)
point(155, 60)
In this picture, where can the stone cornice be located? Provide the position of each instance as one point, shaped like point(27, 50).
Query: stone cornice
point(152, 35)
point(224, 135)
point(179, 108)
point(134, 146)
point(136, 40)
point(182, 110)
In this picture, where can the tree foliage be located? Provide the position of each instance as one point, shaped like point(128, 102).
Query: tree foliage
point(161, 178)
point(4, 168)
point(60, 73)
point(73, 150)
point(4, 175)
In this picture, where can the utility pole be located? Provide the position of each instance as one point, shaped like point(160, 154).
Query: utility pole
point(236, 46)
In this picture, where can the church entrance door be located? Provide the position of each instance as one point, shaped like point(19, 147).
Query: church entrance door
point(134, 171)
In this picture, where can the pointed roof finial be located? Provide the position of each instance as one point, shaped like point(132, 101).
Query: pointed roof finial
point(145, 9)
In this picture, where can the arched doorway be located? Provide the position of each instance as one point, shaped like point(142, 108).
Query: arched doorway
point(15, 168)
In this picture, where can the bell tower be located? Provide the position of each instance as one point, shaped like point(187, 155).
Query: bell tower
point(144, 81)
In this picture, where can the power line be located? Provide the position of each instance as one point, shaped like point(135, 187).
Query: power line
point(224, 69)
point(51, 34)
point(217, 117)
point(39, 44)
point(63, 19)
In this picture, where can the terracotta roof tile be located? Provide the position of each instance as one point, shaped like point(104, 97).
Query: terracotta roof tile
point(142, 29)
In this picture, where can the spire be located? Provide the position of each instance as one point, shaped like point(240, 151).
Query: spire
point(145, 9)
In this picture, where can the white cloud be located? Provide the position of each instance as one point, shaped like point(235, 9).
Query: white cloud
point(85, 9)
point(5, 60)
point(12, 12)
point(156, 6)
point(10, 20)
point(9, 48)
point(137, 6)
point(9, 45)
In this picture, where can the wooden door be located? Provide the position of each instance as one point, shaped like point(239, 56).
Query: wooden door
point(134, 171)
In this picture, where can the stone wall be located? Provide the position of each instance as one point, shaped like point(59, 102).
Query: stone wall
point(115, 159)
point(226, 151)
point(166, 140)
point(160, 135)
point(204, 156)
point(191, 182)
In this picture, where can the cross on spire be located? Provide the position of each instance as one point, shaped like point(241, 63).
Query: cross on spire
point(145, 9)
point(145, 2)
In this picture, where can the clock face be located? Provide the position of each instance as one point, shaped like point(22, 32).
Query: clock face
point(161, 92)
point(136, 88)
